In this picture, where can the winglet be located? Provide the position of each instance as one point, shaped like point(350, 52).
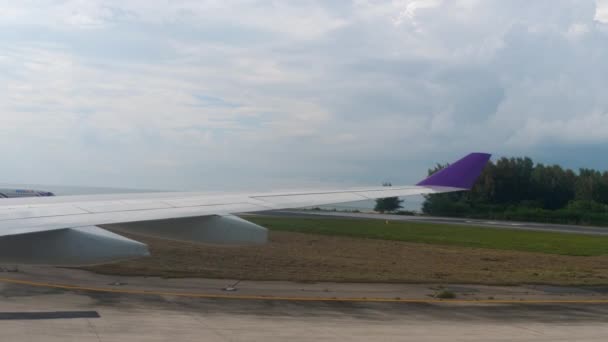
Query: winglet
point(462, 174)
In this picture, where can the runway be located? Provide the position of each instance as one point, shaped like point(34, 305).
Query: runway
point(532, 226)
point(45, 313)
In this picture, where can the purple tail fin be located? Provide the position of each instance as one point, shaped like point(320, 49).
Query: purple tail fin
point(462, 174)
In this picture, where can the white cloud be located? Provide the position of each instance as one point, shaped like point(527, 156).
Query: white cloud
point(199, 93)
point(414, 6)
point(577, 30)
point(589, 128)
point(601, 12)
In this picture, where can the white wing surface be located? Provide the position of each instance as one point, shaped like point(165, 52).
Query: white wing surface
point(62, 229)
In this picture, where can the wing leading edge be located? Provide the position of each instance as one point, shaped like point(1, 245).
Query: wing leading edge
point(180, 216)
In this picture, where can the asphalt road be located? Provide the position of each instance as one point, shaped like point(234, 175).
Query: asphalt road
point(446, 220)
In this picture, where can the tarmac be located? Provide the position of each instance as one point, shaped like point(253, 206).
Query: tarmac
point(532, 226)
point(50, 304)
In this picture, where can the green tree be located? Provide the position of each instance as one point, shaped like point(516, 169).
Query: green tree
point(512, 180)
point(590, 185)
point(388, 204)
point(551, 186)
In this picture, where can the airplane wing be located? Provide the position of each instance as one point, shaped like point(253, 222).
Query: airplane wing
point(69, 230)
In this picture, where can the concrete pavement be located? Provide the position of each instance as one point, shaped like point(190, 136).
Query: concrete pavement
point(41, 312)
point(80, 280)
point(124, 317)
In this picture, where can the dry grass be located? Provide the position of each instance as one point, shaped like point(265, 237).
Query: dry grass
point(308, 257)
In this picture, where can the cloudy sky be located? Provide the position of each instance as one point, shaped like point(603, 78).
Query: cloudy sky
point(208, 94)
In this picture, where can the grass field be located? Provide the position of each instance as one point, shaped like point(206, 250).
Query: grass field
point(454, 235)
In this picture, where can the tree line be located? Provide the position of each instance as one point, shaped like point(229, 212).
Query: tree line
point(518, 189)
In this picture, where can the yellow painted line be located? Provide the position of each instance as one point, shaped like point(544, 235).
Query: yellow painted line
point(303, 299)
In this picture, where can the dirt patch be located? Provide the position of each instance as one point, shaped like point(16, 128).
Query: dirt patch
point(308, 257)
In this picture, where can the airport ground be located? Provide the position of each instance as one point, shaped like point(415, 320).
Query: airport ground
point(324, 285)
point(511, 225)
point(373, 251)
point(34, 306)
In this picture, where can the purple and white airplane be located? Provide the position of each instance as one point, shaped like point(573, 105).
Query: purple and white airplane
point(69, 230)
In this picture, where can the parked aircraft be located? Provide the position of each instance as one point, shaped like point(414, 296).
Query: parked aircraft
point(13, 193)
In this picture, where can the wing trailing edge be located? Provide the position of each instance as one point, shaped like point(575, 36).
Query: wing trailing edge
point(215, 229)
